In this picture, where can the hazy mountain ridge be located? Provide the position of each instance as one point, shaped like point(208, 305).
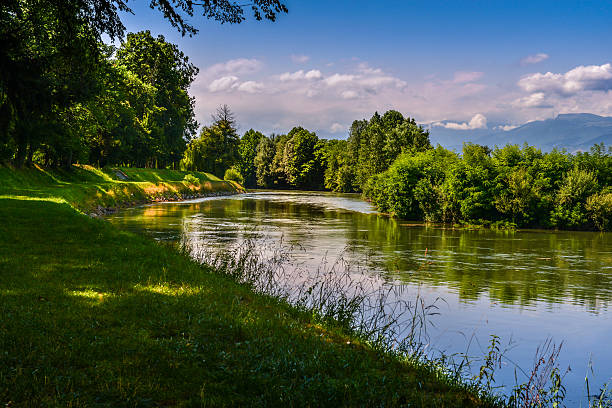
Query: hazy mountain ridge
point(574, 131)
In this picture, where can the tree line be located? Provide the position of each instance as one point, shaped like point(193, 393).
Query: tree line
point(390, 160)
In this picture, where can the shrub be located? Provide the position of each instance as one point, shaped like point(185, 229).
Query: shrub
point(599, 208)
point(190, 178)
point(232, 174)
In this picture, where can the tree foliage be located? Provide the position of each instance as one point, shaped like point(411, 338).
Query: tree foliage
point(510, 185)
point(216, 149)
point(56, 83)
point(247, 151)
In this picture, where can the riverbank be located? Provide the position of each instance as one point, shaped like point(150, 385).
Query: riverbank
point(93, 315)
point(99, 191)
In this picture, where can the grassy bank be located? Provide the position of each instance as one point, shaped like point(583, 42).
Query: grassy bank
point(88, 188)
point(95, 316)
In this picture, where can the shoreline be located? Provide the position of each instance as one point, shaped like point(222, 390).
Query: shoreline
point(100, 212)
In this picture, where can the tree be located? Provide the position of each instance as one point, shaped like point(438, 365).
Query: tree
point(49, 59)
point(338, 174)
point(469, 183)
point(302, 161)
point(570, 209)
point(247, 150)
point(517, 192)
point(376, 143)
point(263, 162)
point(216, 149)
point(162, 65)
point(223, 11)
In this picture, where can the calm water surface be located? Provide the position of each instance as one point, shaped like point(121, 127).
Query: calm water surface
point(523, 286)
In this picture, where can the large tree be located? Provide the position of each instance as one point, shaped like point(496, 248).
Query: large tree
point(247, 151)
point(49, 59)
point(216, 150)
point(162, 65)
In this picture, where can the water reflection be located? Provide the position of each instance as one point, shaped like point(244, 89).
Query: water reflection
point(512, 268)
point(525, 286)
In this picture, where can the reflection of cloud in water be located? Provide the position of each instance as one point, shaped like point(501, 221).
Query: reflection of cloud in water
point(324, 200)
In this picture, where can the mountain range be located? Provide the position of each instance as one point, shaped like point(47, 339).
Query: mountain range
point(573, 131)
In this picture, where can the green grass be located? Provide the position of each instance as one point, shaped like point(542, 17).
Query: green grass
point(86, 188)
point(95, 316)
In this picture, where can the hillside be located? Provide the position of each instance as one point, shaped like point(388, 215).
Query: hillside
point(574, 132)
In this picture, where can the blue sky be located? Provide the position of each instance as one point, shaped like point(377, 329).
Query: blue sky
point(458, 64)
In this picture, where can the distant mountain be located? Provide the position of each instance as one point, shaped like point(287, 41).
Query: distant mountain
point(575, 131)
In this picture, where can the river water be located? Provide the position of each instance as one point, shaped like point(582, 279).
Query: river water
point(524, 286)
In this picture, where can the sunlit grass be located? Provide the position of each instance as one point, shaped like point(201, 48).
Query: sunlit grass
point(87, 188)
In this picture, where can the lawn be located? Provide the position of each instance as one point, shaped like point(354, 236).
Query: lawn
point(95, 316)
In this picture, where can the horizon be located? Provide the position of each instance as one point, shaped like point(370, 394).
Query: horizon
point(474, 66)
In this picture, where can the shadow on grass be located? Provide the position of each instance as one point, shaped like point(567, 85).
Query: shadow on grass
point(96, 316)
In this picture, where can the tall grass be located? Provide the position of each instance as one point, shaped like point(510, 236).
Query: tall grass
point(336, 292)
point(344, 294)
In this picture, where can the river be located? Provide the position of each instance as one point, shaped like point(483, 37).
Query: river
point(523, 286)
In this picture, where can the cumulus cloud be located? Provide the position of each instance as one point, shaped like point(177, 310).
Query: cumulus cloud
point(461, 77)
point(235, 66)
point(231, 83)
point(337, 128)
point(300, 59)
point(313, 74)
point(579, 79)
point(364, 83)
point(534, 59)
point(478, 121)
point(251, 87)
point(324, 97)
point(299, 75)
point(223, 84)
point(535, 100)
point(337, 79)
point(506, 128)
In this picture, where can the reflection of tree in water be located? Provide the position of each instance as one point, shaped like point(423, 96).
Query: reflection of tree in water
point(510, 267)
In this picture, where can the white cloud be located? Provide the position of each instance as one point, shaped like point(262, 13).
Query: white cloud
point(313, 74)
point(349, 94)
point(251, 87)
point(535, 100)
point(298, 75)
point(364, 68)
point(223, 84)
point(534, 59)
point(231, 82)
point(337, 79)
point(506, 128)
point(300, 59)
point(478, 121)
point(235, 67)
point(337, 128)
point(382, 80)
point(461, 77)
point(320, 97)
point(288, 76)
point(579, 79)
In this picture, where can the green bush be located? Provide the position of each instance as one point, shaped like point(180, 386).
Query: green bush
point(190, 178)
point(599, 208)
point(233, 174)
